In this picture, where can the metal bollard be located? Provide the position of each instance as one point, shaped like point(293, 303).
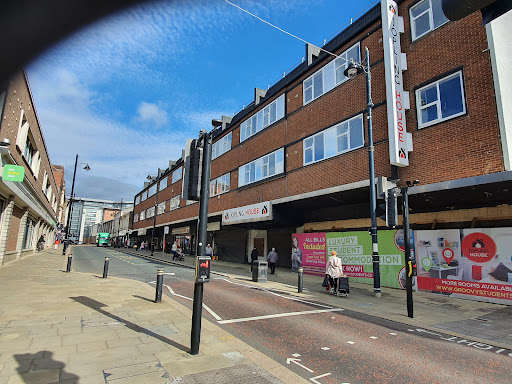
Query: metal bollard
point(301, 279)
point(159, 283)
point(105, 267)
point(64, 247)
point(70, 258)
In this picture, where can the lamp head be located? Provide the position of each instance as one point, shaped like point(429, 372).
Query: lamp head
point(87, 168)
point(352, 70)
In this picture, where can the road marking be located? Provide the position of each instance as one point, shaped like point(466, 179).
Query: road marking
point(373, 337)
point(241, 320)
point(296, 361)
point(351, 342)
point(296, 354)
point(208, 309)
point(278, 294)
point(392, 333)
point(217, 317)
point(169, 273)
point(325, 348)
point(313, 379)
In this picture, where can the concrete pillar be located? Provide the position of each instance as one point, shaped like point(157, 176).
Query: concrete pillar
point(21, 233)
point(6, 224)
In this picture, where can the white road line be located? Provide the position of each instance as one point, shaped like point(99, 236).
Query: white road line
point(175, 294)
point(351, 342)
point(217, 317)
point(169, 273)
point(278, 294)
point(373, 337)
point(392, 333)
point(325, 348)
point(313, 379)
point(279, 315)
point(296, 354)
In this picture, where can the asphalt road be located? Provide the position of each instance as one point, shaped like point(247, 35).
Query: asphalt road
point(322, 343)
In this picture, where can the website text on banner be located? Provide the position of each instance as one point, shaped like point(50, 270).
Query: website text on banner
point(466, 262)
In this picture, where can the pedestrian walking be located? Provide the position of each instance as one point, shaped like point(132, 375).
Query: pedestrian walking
point(334, 270)
point(142, 245)
point(174, 249)
point(272, 259)
point(208, 250)
point(254, 256)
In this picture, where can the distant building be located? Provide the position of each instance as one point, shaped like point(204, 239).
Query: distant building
point(28, 208)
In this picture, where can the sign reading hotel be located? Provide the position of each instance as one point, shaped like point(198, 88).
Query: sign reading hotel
point(255, 212)
point(400, 142)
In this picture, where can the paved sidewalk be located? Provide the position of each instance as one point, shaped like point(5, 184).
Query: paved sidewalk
point(58, 327)
point(468, 319)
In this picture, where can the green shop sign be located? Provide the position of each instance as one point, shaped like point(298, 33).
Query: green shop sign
point(355, 250)
point(13, 173)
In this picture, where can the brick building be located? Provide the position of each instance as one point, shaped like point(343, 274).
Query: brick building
point(29, 207)
point(299, 152)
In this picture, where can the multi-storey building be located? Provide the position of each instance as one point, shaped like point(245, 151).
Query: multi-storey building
point(28, 206)
point(296, 159)
point(58, 171)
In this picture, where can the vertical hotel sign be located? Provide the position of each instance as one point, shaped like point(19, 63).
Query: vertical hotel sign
point(397, 99)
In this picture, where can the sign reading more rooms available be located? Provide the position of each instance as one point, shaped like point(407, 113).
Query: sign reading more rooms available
point(13, 173)
point(255, 212)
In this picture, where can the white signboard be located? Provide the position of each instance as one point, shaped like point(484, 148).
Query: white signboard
point(255, 212)
point(400, 143)
point(166, 230)
point(211, 227)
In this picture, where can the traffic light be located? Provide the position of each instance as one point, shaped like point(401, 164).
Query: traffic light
point(491, 9)
point(191, 186)
point(388, 211)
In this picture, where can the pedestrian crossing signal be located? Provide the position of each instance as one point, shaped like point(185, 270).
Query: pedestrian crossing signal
point(203, 264)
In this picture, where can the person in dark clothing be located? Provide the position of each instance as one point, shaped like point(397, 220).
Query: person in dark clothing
point(254, 256)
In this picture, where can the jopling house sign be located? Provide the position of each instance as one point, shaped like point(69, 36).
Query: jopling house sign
point(400, 142)
point(255, 212)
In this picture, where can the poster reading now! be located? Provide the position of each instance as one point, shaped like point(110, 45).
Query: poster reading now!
point(355, 251)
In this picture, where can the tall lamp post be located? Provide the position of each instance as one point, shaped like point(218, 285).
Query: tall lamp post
point(119, 226)
point(352, 70)
point(155, 212)
point(70, 208)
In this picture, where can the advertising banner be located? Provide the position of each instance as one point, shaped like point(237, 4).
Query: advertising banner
point(311, 250)
point(468, 262)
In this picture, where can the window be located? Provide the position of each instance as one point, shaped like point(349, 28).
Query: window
point(221, 146)
point(143, 215)
point(163, 184)
point(441, 100)
point(136, 218)
point(161, 208)
point(150, 212)
point(268, 115)
point(152, 190)
point(176, 175)
point(262, 168)
point(174, 203)
point(137, 199)
point(329, 76)
point(28, 235)
point(426, 16)
point(144, 195)
point(219, 185)
point(335, 140)
point(24, 142)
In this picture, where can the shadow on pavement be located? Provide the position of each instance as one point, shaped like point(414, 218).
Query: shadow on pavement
point(97, 306)
point(143, 298)
point(34, 368)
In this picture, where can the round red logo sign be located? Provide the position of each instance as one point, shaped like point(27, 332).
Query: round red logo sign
point(478, 247)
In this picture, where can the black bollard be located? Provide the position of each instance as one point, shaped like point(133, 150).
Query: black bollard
point(65, 245)
point(301, 279)
point(105, 267)
point(159, 283)
point(70, 258)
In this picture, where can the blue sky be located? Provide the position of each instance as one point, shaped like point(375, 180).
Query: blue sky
point(126, 92)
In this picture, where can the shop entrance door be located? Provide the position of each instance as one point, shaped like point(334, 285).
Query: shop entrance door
point(259, 243)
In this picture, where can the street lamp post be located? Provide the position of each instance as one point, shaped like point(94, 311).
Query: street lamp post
point(119, 226)
point(353, 69)
point(70, 208)
point(155, 212)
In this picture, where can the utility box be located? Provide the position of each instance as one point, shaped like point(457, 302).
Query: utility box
point(259, 271)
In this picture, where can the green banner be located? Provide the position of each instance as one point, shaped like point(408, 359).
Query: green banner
point(13, 173)
point(355, 250)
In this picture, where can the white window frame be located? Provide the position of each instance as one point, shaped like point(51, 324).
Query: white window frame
point(142, 215)
point(177, 175)
point(136, 218)
point(137, 199)
point(220, 185)
point(437, 103)
point(430, 12)
point(258, 165)
point(161, 208)
point(328, 75)
point(150, 212)
point(174, 203)
point(257, 122)
point(152, 190)
point(324, 134)
point(221, 146)
point(163, 184)
point(144, 195)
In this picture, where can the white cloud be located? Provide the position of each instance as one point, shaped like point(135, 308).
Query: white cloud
point(152, 113)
